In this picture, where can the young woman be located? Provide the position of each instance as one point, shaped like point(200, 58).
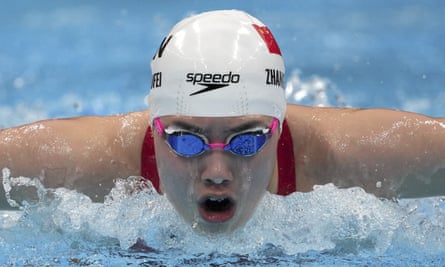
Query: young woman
point(218, 134)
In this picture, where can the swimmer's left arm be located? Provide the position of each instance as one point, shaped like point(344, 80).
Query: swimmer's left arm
point(396, 153)
point(387, 152)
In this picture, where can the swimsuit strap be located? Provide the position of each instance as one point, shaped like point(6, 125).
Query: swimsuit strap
point(149, 170)
point(287, 182)
point(286, 162)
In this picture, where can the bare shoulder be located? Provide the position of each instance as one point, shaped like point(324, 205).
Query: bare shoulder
point(309, 123)
point(130, 130)
point(120, 136)
point(309, 128)
point(122, 131)
point(337, 122)
point(85, 153)
point(129, 121)
point(366, 147)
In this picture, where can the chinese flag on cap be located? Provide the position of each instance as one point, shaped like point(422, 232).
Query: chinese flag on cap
point(268, 39)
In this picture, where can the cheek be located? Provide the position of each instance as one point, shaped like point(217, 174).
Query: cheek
point(177, 180)
point(265, 161)
point(262, 172)
point(255, 176)
point(176, 174)
point(257, 173)
point(166, 160)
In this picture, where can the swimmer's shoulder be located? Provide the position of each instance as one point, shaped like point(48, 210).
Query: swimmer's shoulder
point(138, 119)
point(304, 132)
point(132, 127)
point(121, 134)
point(311, 130)
point(304, 121)
point(133, 123)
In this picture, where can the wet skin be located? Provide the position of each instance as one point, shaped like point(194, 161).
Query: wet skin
point(216, 191)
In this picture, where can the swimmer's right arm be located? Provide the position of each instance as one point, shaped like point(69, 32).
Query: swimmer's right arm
point(85, 153)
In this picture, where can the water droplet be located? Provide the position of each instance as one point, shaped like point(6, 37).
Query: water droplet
point(378, 184)
point(19, 83)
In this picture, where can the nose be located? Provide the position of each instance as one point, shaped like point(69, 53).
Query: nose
point(217, 181)
point(216, 169)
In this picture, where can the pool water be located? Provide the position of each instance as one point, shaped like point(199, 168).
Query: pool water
point(327, 226)
point(77, 58)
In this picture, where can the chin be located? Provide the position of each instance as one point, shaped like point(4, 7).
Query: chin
point(228, 226)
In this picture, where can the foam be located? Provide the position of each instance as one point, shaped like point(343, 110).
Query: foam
point(341, 221)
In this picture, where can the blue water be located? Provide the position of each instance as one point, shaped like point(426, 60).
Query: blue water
point(71, 58)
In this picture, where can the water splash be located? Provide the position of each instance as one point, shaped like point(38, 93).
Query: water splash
point(23, 188)
point(135, 224)
point(313, 91)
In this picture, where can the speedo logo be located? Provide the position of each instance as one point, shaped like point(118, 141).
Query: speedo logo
point(211, 81)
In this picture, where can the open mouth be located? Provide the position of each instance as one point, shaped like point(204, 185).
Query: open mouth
point(216, 208)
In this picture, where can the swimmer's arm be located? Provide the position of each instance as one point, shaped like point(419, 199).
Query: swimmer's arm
point(84, 153)
point(389, 153)
point(394, 153)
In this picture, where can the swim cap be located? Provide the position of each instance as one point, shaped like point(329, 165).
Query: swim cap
point(218, 64)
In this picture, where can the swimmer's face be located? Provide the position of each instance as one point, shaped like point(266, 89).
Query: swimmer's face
point(217, 190)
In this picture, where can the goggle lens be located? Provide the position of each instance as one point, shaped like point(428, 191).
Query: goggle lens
point(247, 144)
point(185, 144)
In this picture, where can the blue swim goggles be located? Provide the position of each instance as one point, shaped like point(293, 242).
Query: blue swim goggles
point(188, 144)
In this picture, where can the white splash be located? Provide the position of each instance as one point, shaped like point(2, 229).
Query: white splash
point(326, 219)
point(314, 91)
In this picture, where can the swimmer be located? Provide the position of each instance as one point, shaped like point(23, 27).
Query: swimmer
point(218, 134)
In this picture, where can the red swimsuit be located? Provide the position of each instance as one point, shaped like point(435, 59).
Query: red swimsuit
point(286, 162)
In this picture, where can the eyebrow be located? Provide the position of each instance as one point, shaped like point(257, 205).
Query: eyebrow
point(185, 126)
point(239, 128)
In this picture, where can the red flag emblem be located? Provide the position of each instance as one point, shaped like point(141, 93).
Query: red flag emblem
point(268, 38)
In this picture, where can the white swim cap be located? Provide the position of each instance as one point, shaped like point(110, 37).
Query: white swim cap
point(218, 64)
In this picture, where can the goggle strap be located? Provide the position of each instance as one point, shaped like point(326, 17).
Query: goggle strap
point(158, 126)
point(274, 126)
